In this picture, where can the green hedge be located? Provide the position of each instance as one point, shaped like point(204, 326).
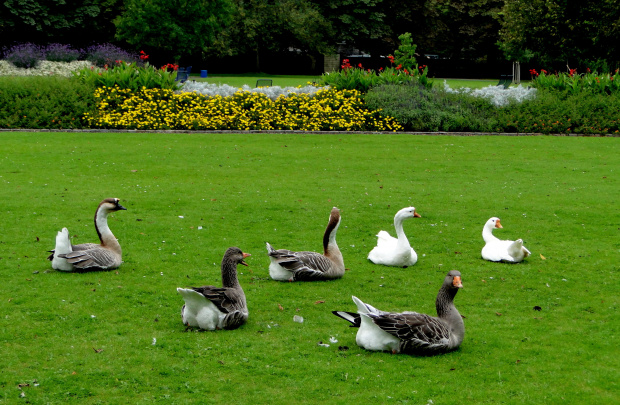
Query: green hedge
point(44, 102)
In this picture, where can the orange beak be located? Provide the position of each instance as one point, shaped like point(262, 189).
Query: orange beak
point(498, 225)
point(244, 256)
point(457, 282)
point(416, 215)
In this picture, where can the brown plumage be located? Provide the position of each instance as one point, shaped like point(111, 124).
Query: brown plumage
point(90, 256)
point(288, 265)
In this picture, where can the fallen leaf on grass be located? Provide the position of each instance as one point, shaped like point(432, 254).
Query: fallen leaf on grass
point(280, 307)
point(97, 350)
point(319, 302)
point(498, 313)
point(543, 257)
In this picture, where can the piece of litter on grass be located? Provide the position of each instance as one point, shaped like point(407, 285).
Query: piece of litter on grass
point(154, 341)
point(200, 227)
point(93, 316)
point(298, 319)
point(548, 285)
point(323, 344)
point(181, 216)
point(333, 340)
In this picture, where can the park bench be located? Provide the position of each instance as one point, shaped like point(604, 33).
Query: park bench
point(183, 74)
point(505, 81)
point(264, 82)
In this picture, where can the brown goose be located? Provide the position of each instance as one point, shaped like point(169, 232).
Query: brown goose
point(287, 265)
point(90, 256)
point(411, 332)
point(210, 307)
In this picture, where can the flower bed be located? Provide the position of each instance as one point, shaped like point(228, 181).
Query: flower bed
point(162, 109)
point(45, 68)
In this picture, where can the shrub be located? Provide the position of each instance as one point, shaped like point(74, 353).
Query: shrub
point(108, 54)
point(127, 76)
point(418, 108)
point(573, 82)
point(44, 102)
point(157, 109)
point(552, 112)
point(406, 71)
point(61, 53)
point(25, 55)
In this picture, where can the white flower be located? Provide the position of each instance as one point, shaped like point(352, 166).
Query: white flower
point(497, 95)
point(45, 68)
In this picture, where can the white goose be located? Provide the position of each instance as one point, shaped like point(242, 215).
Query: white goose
point(411, 332)
point(210, 307)
point(497, 250)
point(90, 256)
point(287, 265)
point(392, 251)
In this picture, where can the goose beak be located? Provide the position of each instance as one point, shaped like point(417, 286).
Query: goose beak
point(416, 215)
point(457, 282)
point(498, 225)
point(244, 256)
point(120, 207)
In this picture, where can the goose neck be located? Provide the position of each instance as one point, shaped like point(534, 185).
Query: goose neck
point(448, 312)
point(229, 274)
point(400, 232)
point(487, 234)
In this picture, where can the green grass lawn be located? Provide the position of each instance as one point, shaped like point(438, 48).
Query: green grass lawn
point(238, 80)
point(117, 336)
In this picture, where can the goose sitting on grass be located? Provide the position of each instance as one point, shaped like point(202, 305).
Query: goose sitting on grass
point(392, 251)
point(211, 307)
point(411, 332)
point(90, 256)
point(497, 250)
point(287, 265)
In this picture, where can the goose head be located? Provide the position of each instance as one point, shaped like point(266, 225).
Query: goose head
point(453, 280)
point(236, 256)
point(111, 205)
point(405, 213)
point(493, 223)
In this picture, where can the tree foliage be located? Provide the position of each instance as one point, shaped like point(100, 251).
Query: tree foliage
point(76, 22)
point(560, 31)
point(174, 27)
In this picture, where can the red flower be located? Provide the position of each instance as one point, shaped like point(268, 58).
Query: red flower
point(400, 65)
point(391, 58)
point(359, 65)
point(381, 69)
point(143, 55)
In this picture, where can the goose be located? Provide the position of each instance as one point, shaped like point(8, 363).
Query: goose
point(392, 251)
point(497, 250)
point(411, 332)
point(212, 308)
point(287, 265)
point(90, 256)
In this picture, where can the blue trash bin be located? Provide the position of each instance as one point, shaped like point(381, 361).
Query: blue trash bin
point(203, 73)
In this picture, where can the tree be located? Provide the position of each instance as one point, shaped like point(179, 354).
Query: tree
point(267, 27)
point(175, 28)
point(561, 31)
point(76, 22)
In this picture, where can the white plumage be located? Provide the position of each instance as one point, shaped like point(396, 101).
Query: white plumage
point(392, 251)
point(497, 250)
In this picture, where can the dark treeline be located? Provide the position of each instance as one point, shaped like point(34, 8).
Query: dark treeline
point(460, 38)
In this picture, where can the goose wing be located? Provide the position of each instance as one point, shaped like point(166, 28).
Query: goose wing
point(417, 332)
point(95, 257)
point(305, 266)
point(227, 300)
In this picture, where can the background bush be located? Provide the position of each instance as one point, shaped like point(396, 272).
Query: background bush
point(418, 108)
point(61, 53)
point(107, 54)
point(25, 55)
point(44, 102)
